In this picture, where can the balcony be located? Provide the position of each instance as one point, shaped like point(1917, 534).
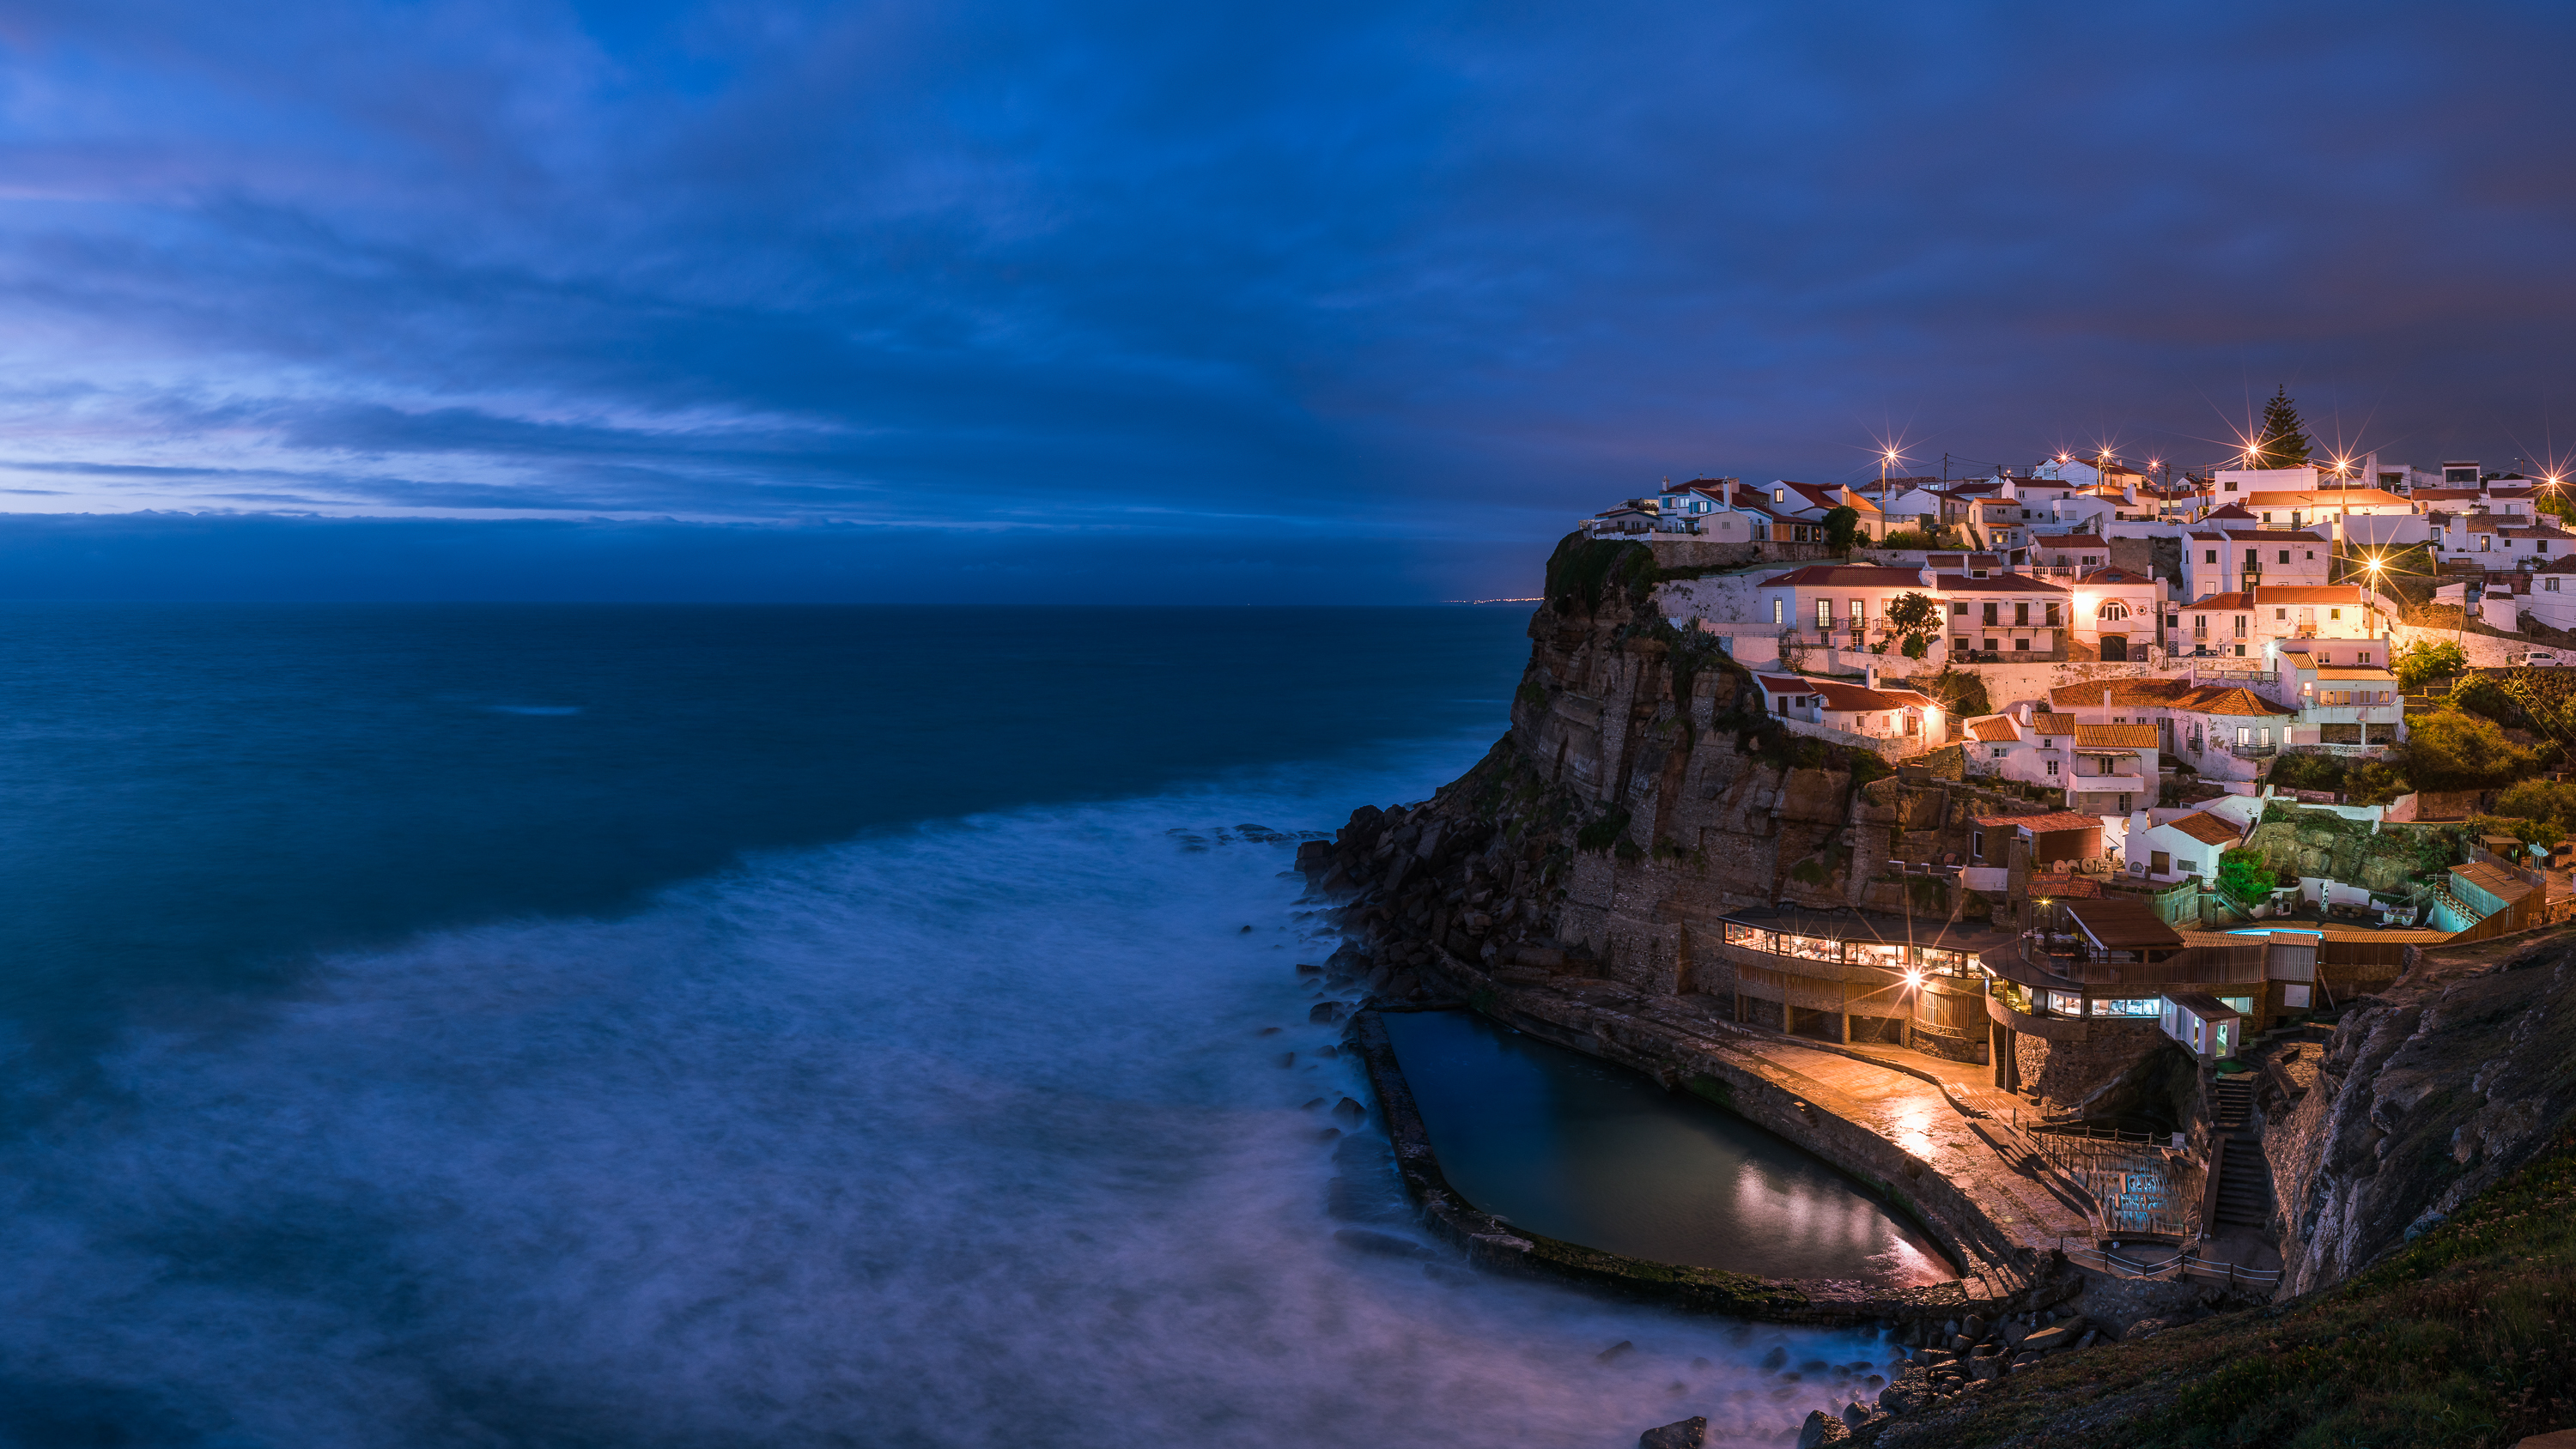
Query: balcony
point(2254, 752)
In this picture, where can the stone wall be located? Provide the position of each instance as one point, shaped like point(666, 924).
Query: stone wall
point(2077, 1075)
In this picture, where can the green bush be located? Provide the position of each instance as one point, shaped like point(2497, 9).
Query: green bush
point(2550, 802)
point(2451, 749)
point(2308, 772)
point(2426, 660)
point(1581, 569)
point(2243, 877)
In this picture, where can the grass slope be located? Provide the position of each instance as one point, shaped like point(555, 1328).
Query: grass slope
point(2463, 1338)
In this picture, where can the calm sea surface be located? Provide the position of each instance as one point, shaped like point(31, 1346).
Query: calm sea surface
point(704, 1026)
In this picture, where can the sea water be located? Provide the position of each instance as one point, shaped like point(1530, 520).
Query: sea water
point(561, 1026)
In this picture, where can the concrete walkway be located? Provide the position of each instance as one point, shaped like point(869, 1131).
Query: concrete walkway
point(1934, 1110)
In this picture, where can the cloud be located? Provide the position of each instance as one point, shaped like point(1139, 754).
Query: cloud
point(1383, 271)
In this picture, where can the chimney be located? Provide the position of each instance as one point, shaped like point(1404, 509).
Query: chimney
point(2106, 696)
point(1869, 675)
point(2025, 714)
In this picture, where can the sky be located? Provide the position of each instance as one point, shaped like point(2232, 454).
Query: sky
point(1138, 302)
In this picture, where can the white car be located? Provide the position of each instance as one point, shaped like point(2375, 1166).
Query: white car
point(2536, 656)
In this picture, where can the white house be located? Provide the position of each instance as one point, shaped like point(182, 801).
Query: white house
point(2186, 845)
point(2216, 562)
point(2349, 709)
point(2297, 508)
point(2498, 541)
point(2552, 600)
point(2241, 624)
point(2223, 731)
point(2118, 612)
point(1860, 709)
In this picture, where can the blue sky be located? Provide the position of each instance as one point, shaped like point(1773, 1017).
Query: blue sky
point(1135, 301)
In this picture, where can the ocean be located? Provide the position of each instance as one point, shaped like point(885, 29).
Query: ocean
point(566, 1026)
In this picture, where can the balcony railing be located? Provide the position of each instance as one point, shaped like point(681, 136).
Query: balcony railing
point(2254, 752)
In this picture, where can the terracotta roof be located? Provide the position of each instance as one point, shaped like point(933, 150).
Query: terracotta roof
point(1996, 584)
point(2115, 576)
point(2051, 823)
point(2115, 736)
point(2231, 511)
point(2054, 724)
point(2327, 498)
point(1846, 576)
point(2238, 600)
point(2114, 922)
point(2230, 699)
point(2311, 594)
point(2065, 887)
point(2206, 828)
point(2123, 691)
point(2262, 535)
point(1842, 695)
point(1995, 727)
point(2347, 672)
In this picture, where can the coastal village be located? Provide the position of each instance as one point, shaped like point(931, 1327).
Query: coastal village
point(2100, 849)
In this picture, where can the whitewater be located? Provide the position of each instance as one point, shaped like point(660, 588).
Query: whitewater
point(968, 1132)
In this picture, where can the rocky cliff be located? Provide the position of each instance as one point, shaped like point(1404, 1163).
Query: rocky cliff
point(2424, 1096)
point(1640, 793)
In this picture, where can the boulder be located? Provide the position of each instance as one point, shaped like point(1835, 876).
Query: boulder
point(1690, 1433)
point(2061, 1334)
point(1349, 1111)
point(1820, 1429)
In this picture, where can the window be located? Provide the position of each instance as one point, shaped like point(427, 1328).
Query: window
point(1990, 646)
point(2186, 867)
point(2021, 643)
point(1959, 642)
point(2147, 1006)
point(2052, 767)
point(2285, 555)
point(2212, 555)
point(1779, 495)
point(2231, 486)
point(1990, 615)
point(2241, 622)
point(2112, 609)
point(1958, 608)
point(2267, 518)
point(1824, 613)
point(1859, 612)
point(2334, 613)
point(1998, 752)
point(2280, 613)
point(2053, 620)
point(1779, 607)
point(2021, 616)
point(1977, 844)
point(2362, 657)
point(2549, 585)
point(2312, 556)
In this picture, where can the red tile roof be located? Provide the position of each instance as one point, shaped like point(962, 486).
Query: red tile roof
point(1997, 584)
point(2115, 736)
point(1846, 576)
point(2206, 828)
point(1994, 727)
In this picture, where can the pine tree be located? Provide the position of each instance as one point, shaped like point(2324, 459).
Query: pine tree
point(2284, 440)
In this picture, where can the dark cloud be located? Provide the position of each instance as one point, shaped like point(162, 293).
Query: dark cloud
point(1441, 273)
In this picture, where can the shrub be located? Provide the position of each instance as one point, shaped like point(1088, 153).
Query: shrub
point(2426, 660)
point(2549, 801)
point(1842, 528)
point(2451, 749)
point(2308, 772)
point(2243, 877)
point(1582, 568)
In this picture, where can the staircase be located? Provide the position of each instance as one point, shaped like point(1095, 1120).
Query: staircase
point(2244, 1178)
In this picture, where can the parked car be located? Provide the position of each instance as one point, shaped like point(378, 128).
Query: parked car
point(2537, 656)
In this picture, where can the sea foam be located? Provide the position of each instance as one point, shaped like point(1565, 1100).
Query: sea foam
point(964, 1134)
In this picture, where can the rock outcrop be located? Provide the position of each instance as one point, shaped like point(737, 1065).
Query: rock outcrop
point(2424, 1096)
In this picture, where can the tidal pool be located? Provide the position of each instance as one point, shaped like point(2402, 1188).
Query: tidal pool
point(1581, 1150)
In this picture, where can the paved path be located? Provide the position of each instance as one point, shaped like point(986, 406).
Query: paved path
point(1989, 1161)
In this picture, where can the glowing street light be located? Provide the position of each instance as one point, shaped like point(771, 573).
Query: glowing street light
point(1913, 978)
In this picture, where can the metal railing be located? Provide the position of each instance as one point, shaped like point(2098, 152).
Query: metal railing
point(2184, 1263)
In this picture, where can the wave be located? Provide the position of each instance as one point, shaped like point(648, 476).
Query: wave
point(961, 1134)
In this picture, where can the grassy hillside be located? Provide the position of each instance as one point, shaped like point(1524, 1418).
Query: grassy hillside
point(2464, 1337)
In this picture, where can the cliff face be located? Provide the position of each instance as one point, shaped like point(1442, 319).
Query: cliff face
point(1639, 795)
point(2425, 1095)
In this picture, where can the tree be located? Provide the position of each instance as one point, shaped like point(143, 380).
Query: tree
point(2243, 877)
point(2426, 660)
point(1917, 619)
point(2548, 803)
point(2283, 443)
point(1842, 526)
point(2451, 749)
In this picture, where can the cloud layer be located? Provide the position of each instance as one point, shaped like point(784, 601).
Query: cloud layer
point(1433, 273)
